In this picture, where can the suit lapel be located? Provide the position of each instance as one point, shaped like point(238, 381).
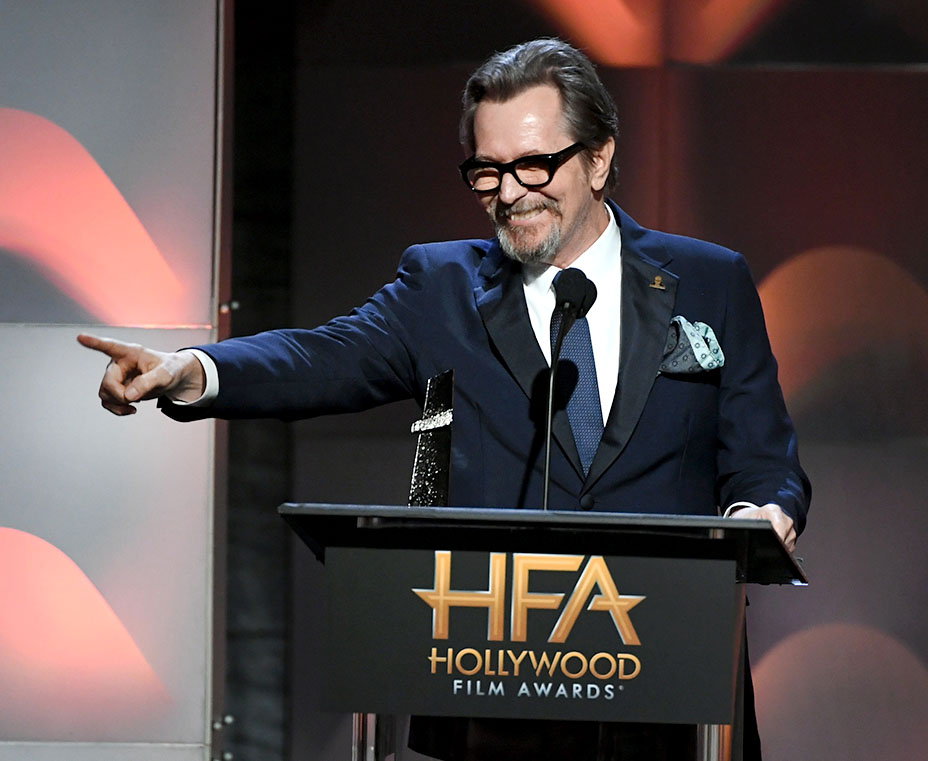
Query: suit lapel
point(648, 297)
point(501, 304)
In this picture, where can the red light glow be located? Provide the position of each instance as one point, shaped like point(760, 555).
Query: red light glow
point(60, 211)
point(66, 660)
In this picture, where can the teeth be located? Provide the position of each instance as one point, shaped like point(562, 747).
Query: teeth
point(520, 215)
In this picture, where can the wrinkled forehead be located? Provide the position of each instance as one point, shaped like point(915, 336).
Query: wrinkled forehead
point(530, 122)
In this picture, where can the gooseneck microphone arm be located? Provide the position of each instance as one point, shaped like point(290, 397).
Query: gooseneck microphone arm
point(574, 294)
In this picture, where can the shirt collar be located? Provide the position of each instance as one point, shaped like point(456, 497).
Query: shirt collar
point(599, 262)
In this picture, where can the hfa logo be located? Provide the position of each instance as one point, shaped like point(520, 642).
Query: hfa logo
point(441, 598)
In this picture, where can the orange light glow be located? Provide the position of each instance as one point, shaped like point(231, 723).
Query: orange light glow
point(650, 32)
point(825, 304)
point(842, 691)
point(60, 211)
point(66, 660)
point(709, 30)
point(612, 32)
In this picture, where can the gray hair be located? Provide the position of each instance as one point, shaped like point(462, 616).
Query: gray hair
point(589, 110)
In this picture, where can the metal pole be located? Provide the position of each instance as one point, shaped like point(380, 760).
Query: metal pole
point(713, 742)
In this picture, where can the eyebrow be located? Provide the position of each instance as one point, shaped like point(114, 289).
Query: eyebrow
point(534, 152)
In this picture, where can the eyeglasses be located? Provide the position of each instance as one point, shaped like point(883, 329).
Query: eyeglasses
point(530, 171)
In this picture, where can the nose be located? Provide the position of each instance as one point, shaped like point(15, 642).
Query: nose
point(510, 190)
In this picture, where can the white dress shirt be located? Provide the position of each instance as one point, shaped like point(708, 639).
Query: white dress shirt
point(211, 384)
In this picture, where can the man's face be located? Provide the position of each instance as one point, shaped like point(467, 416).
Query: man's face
point(558, 222)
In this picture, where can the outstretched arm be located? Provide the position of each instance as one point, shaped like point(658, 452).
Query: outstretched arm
point(136, 373)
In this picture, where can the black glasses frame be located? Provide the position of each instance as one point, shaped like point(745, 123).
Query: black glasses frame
point(553, 161)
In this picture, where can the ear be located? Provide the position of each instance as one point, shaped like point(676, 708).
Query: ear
point(600, 164)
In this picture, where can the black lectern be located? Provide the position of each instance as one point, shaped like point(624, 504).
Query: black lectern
point(530, 614)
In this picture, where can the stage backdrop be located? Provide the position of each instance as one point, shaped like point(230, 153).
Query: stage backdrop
point(818, 177)
point(107, 215)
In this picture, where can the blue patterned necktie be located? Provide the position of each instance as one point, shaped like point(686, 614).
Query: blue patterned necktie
point(584, 408)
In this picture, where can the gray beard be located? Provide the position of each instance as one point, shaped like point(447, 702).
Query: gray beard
point(542, 253)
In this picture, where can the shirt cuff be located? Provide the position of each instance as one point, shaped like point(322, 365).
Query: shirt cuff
point(211, 390)
point(737, 506)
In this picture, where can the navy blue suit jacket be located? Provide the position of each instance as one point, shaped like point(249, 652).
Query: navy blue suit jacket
point(680, 444)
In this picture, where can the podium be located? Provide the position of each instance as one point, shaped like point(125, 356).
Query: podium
point(541, 615)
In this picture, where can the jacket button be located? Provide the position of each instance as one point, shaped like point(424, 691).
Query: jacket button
point(587, 501)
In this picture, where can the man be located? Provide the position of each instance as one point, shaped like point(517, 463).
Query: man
point(542, 129)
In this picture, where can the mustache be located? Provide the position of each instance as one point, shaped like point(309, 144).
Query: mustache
point(501, 212)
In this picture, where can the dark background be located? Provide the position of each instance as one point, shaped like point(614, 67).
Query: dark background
point(802, 146)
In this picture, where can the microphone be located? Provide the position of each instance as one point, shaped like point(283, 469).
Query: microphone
point(574, 290)
point(574, 294)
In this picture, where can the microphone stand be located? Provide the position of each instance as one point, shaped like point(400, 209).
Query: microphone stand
point(568, 318)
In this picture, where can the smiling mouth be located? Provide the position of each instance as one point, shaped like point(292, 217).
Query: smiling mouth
point(523, 216)
point(517, 216)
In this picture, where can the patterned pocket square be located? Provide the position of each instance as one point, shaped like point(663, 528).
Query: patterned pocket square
point(691, 348)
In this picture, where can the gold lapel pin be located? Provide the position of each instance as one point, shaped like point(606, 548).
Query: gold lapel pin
point(658, 283)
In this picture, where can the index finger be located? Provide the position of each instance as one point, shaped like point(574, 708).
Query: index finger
point(109, 346)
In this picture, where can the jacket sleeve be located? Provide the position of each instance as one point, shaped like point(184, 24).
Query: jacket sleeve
point(758, 459)
point(352, 363)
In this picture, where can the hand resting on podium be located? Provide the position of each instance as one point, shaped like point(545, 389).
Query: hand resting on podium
point(772, 512)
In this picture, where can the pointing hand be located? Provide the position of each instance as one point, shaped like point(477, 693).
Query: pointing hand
point(136, 373)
